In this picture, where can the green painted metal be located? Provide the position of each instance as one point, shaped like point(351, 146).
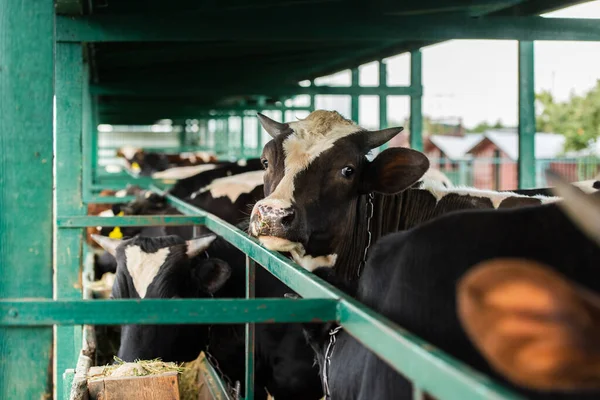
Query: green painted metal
point(526, 116)
point(108, 28)
point(354, 97)
point(428, 368)
point(182, 136)
point(213, 381)
point(137, 220)
point(190, 89)
point(26, 90)
point(250, 330)
point(313, 104)
point(171, 311)
point(194, 105)
point(242, 150)
point(94, 146)
point(416, 101)
point(107, 199)
point(431, 370)
point(67, 381)
point(383, 118)
point(86, 136)
point(69, 75)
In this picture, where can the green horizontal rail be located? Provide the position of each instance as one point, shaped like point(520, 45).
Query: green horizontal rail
point(107, 199)
point(164, 311)
point(432, 371)
point(138, 220)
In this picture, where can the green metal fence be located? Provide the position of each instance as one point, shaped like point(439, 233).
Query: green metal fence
point(41, 248)
point(430, 370)
point(502, 173)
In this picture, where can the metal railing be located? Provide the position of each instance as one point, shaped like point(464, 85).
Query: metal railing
point(502, 173)
point(431, 371)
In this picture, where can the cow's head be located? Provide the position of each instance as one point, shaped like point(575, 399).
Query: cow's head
point(316, 170)
point(163, 267)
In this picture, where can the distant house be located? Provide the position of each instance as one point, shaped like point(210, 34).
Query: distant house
point(444, 151)
point(495, 158)
point(489, 160)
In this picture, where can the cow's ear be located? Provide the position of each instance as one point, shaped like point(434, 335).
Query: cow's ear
point(212, 274)
point(394, 170)
point(532, 325)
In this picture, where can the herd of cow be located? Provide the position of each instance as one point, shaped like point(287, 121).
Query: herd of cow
point(503, 281)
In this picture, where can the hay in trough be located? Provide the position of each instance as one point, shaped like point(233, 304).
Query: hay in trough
point(190, 376)
point(137, 368)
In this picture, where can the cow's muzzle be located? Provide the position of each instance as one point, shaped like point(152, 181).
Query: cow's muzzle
point(271, 221)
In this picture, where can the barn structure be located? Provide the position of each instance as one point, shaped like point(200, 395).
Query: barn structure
point(68, 66)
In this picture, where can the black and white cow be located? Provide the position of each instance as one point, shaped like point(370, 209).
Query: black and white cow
point(319, 187)
point(163, 268)
point(411, 278)
point(533, 325)
point(284, 361)
point(185, 187)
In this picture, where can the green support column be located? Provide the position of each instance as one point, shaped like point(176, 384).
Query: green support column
point(242, 137)
point(526, 116)
point(416, 101)
point(26, 89)
point(182, 135)
point(354, 99)
point(94, 140)
point(68, 196)
point(312, 97)
point(87, 135)
point(259, 129)
point(250, 334)
point(226, 137)
point(383, 119)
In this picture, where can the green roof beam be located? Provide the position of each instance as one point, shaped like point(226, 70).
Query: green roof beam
point(189, 89)
point(140, 28)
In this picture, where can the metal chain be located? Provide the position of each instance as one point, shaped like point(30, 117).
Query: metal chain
point(327, 363)
point(370, 209)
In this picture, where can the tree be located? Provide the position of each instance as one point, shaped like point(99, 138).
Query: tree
point(578, 118)
point(485, 126)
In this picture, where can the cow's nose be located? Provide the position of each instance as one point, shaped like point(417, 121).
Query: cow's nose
point(270, 220)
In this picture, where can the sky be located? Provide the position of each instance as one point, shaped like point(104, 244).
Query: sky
point(476, 80)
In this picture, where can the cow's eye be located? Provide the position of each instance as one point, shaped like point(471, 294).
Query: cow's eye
point(347, 172)
point(265, 163)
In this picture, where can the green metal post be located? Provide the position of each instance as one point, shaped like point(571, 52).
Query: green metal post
point(526, 116)
point(312, 97)
point(26, 90)
point(416, 101)
point(383, 119)
point(68, 180)
point(259, 129)
point(250, 347)
point(242, 137)
point(182, 136)
point(87, 135)
point(226, 137)
point(354, 98)
point(94, 140)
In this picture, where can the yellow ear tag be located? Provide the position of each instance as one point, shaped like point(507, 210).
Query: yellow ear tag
point(135, 166)
point(120, 214)
point(116, 233)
